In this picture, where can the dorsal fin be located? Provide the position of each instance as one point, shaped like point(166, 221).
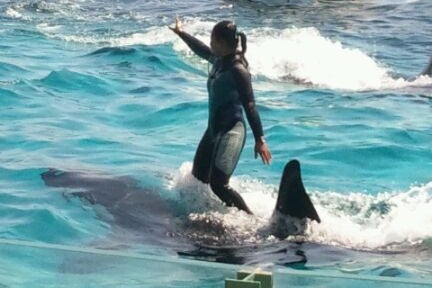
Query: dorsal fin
point(292, 198)
point(428, 69)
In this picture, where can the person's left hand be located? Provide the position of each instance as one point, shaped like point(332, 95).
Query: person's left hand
point(262, 149)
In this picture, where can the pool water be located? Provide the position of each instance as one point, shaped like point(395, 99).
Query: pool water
point(103, 86)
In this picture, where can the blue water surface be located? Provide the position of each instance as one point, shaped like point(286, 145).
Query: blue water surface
point(104, 86)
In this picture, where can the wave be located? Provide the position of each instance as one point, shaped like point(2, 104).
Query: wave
point(33, 10)
point(115, 51)
point(24, 221)
point(292, 54)
point(387, 221)
point(42, 215)
point(11, 74)
point(69, 80)
point(79, 12)
point(11, 68)
point(383, 221)
point(12, 12)
point(8, 98)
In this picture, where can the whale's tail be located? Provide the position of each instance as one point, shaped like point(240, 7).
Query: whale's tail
point(292, 199)
point(428, 69)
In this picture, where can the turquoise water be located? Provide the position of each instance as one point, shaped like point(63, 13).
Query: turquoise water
point(104, 86)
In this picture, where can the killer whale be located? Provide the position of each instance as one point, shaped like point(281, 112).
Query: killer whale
point(428, 70)
point(293, 205)
point(142, 215)
point(292, 197)
point(134, 212)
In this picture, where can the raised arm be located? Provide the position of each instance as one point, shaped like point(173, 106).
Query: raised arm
point(197, 46)
point(244, 86)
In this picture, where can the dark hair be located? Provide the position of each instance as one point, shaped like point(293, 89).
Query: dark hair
point(227, 31)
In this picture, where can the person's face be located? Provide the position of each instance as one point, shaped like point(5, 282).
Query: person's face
point(218, 46)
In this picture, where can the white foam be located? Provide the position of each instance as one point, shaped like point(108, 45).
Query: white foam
point(354, 220)
point(202, 205)
point(151, 36)
point(304, 55)
point(407, 221)
point(46, 27)
point(53, 10)
point(397, 2)
point(10, 12)
point(198, 196)
point(201, 198)
point(300, 54)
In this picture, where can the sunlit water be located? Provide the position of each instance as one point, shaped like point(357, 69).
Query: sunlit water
point(105, 86)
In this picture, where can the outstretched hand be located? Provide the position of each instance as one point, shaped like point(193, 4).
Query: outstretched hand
point(262, 149)
point(178, 26)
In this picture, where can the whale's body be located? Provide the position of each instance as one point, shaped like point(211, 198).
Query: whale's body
point(143, 215)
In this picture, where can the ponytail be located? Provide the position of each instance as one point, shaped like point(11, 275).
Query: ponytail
point(243, 43)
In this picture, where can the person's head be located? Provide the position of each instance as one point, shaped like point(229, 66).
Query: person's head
point(225, 38)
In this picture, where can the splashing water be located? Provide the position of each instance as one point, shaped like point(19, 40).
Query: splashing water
point(291, 54)
point(386, 221)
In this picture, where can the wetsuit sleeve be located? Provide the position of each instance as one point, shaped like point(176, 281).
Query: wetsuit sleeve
point(197, 46)
point(244, 86)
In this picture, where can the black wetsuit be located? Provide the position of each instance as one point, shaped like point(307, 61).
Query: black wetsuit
point(230, 91)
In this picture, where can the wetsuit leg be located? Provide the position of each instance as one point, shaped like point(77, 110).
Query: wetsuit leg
point(203, 158)
point(225, 158)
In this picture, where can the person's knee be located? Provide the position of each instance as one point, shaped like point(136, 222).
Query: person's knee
point(200, 176)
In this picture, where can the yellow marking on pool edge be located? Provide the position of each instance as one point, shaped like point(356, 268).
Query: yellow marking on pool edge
point(247, 279)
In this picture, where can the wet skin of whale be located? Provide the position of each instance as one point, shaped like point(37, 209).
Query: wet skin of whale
point(139, 215)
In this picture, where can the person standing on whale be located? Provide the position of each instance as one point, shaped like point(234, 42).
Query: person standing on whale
point(230, 91)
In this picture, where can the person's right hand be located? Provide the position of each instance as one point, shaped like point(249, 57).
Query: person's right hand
point(262, 149)
point(178, 26)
